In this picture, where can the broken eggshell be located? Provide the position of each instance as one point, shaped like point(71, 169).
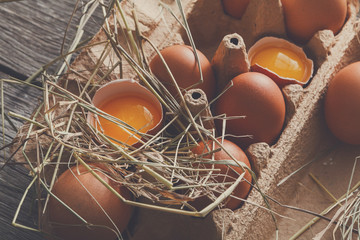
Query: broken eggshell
point(125, 87)
point(273, 42)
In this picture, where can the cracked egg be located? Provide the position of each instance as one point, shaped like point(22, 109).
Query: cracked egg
point(133, 112)
point(280, 60)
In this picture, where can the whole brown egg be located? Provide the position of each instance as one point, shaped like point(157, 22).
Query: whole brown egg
point(303, 18)
point(260, 102)
point(183, 66)
point(235, 8)
point(342, 104)
point(94, 202)
point(226, 173)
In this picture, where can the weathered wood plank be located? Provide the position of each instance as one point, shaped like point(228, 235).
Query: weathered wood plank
point(14, 179)
point(13, 182)
point(32, 32)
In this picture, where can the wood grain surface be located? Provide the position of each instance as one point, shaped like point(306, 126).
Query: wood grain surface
point(32, 32)
point(31, 35)
point(13, 178)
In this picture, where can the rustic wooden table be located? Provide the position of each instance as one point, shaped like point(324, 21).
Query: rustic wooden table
point(32, 33)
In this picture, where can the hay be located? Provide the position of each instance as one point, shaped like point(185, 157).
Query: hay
point(163, 174)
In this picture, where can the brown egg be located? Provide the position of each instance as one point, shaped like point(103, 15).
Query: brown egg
point(259, 100)
point(303, 18)
point(342, 104)
point(231, 172)
point(182, 63)
point(235, 8)
point(70, 188)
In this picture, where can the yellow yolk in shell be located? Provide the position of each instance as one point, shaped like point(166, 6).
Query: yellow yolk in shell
point(281, 61)
point(134, 111)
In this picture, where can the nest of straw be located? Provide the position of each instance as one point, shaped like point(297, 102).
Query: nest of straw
point(162, 173)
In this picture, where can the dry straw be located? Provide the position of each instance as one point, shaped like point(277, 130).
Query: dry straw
point(163, 170)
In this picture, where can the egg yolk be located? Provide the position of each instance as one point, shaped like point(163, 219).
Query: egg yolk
point(281, 61)
point(134, 111)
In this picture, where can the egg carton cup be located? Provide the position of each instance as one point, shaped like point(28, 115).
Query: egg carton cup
point(304, 136)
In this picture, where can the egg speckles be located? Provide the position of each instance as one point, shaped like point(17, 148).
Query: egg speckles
point(256, 97)
point(342, 104)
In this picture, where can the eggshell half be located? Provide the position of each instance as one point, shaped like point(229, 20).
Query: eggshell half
point(281, 43)
point(125, 87)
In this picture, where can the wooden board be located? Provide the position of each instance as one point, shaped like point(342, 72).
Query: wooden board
point(13, 178)
point(32, 33)
point(26, 208)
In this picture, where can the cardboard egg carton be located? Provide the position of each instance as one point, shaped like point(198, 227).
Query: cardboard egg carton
point(304, 134)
